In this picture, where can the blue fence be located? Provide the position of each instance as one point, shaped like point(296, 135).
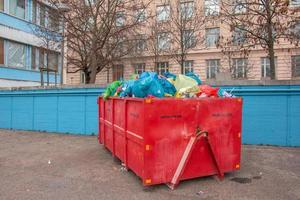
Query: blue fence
point(271, 114)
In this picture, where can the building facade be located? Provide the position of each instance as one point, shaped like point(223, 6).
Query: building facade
point(22, 50)
point(206, 59)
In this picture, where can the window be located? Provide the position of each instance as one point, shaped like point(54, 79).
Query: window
point(140, 44)
point(53, 59)
point(295, 29)
point(238, 36)
point(120, 19)
point(17, 8)
point(239, 68)
point(140, 15)
point(212, 68)
point(162, 67)
point(296, 66)
point(118, 71)
point(16, 55)
point(189, 38)
point(139, 68)
point(42, 16)
point(212, 36)
point(53, 21)
point(82, 77)
point(295, 2)
point(240, 7)
point(187, 9)
point(265, 66)
point(211, 7)
point(163, 13)
point(42, 62)
point(1, 5)
point(1, 51)
point(188, 66)
point(89, 2)
point(163, 41)
point(34, 10)
point(33, 58)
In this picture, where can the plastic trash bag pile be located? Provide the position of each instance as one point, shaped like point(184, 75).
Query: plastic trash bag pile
point(150, 84)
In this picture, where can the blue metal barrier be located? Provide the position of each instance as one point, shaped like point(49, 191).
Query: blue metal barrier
point(271, 114)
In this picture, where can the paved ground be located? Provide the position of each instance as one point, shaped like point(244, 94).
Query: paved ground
point(40, 166)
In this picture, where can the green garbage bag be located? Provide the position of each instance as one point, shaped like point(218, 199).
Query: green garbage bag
point(111, 89)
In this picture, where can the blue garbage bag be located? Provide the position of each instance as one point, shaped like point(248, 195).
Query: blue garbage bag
point(169, 75)
point(194, 76)
point(167, 86)
point(126, 90)
point(147, 84)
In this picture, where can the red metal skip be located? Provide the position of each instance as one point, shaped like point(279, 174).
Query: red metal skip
point(169, 140)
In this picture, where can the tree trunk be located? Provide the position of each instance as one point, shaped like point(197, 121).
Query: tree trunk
point(272, 61)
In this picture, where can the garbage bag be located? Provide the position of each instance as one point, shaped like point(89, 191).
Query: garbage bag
point(187, 92)
point(194, 76)
point(168, 87)
point(169, 75)
point(207, 91)
point(183, 81)
point(111, 89)
point(126, 88)
point(147, 84)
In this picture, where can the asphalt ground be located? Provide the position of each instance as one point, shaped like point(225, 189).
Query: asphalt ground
point(36, 166)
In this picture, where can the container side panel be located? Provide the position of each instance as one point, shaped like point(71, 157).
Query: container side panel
point(119, 135)
point(5, 112)
point(23, 113)
point(294, 118)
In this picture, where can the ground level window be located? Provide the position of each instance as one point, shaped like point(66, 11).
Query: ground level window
point(239, 68)
point(53, 58)
point(139, 68)
point(162, 67)
point(212, 68)
point(82, 77)
point(118, 72)
point(188, 66)
point(265, 67)
point(296, 66)
point(16, 55)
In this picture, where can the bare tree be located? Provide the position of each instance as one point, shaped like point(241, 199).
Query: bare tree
point(99, 33)
point(186, 27)
point(265, 22)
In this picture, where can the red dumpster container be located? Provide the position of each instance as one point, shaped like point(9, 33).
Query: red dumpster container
point(169, 140)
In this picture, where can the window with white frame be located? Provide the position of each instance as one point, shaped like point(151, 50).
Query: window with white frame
point(17, 8)
point(295, 29)
point(239, 68)
point(16, 54)
point(212, 36)
point(1, 51)
point(34, 11)
point(211, 7)
point(163, 13)
point(187, 9)
point(238, 36)
point(240, 6)
point(162, 67)
point(265, 66)
point(163, 41)
point(139, 68)
point(188, 66)
point(140, 15)
point(120, 19)
point(296, 66)
point(189, 38)
point(53, 21)
point(295, 2)
point(89, 2)
point(82, 77)
point(212, 68)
